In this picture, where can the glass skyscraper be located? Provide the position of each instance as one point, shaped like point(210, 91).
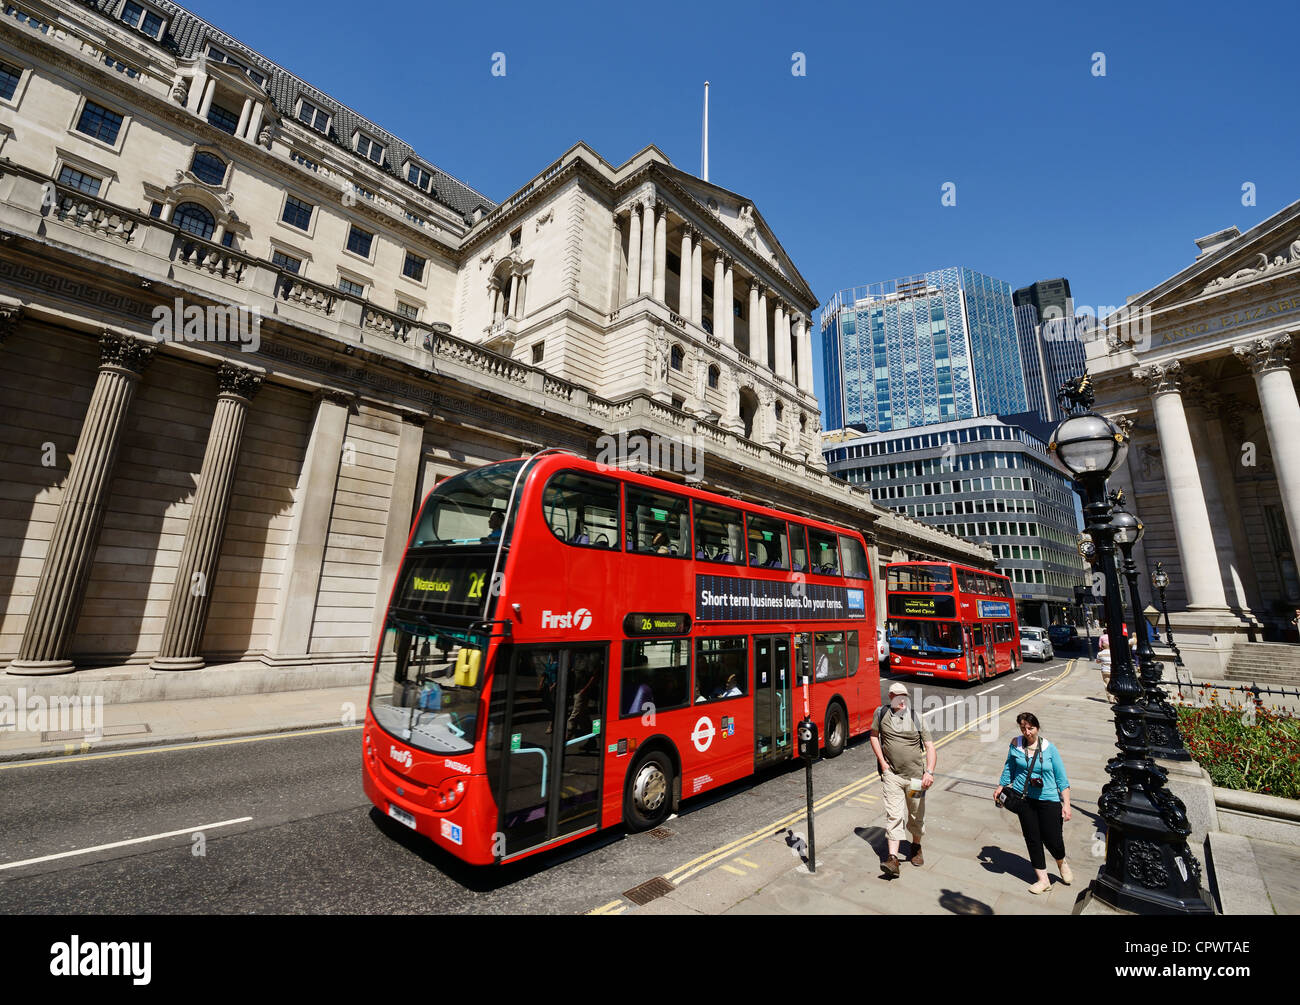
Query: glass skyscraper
point(1051, 342)
point(919, 350)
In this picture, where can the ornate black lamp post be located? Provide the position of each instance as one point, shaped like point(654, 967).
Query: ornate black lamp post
point(1163, 739)
point(1149, 868)
point(1160, 580)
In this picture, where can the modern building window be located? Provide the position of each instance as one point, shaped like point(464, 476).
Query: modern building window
point(146, 20)
point(297, 213)
point(348, 286)
point(223, 118)
point(316, 118)
point(9, 78)
point(369, 149)
point(80, 181)
point(208, 168)
point(99, 122)
point(413, 267)
point(359, 241)
point(286, 262)
point(194, 219)
point(408, 311)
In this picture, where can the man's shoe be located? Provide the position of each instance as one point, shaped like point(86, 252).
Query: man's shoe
point(916, 856)
point(891, 866)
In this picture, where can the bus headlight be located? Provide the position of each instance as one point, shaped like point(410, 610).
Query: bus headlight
point(952, 666)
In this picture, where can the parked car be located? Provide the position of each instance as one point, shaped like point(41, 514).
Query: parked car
point(1035, 644)
point(882, 647)
point(1064, 636)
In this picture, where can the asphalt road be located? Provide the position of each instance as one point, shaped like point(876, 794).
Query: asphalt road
point(280, 824)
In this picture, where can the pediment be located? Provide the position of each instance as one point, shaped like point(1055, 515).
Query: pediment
point(1269, 250)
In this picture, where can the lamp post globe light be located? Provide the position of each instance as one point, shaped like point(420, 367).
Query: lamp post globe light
point(1161, 721)
point(1149, 868)
point(1160, 580)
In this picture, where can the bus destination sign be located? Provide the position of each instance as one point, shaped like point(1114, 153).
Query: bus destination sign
point(905, 606)
point(722, 598)
point(638, 623)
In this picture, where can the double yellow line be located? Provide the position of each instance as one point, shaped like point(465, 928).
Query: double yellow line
point(711, 858)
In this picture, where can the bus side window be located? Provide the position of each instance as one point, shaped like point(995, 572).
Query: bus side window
point(798, 549)
point(767, 543)
point(825, 559)
point(719, 534)
point(855, 559)
point(582, 510)
point(656, 676)
point(853, 653)
point(977, 635)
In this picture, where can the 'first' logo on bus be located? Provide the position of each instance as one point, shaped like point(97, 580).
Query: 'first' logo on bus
point(579, 619)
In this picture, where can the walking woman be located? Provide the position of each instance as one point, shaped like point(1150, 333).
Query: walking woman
point(1046, 791)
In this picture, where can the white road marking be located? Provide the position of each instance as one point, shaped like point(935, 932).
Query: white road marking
point(988, 689)
point(122, 844)
point(941, 708)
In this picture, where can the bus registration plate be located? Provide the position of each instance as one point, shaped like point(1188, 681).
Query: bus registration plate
point(399, 814)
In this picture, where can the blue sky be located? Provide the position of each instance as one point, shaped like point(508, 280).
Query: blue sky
point(1103, 179)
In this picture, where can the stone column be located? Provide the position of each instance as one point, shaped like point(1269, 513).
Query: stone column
point(1269, 361)
point(729, 308)
point(255, 122)
point(47, 640)
point(758, 343)
point(1186, 497)
point(782, 339)
point(196, 571)
point(1220, 499)
point(753, 319)
point(684, 302)
point(401, 510)
point(646, 284)
point(313, 501)
point(697, 280)
point(514, 294)
point(208, 91)
point(719, 295)
point(661, 253)
point(633, 253)
point(804, 341)
point(244, 114)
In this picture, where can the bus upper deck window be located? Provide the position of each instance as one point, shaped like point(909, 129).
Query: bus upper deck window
point(582, 509)
point(719, 534)
point(767, 543)
point(825, 559)
point(657, 523)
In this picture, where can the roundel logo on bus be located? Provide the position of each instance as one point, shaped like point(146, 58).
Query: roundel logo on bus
point(579, 619)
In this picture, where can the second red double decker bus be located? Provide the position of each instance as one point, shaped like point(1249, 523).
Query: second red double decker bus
point(949, 620)
point(570, 646)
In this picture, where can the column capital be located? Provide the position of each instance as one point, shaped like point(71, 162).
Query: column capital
point(1264, 354)
point(335, 396)
point(238, 380)
point(661, 207)
point(728, 261)
point(126, 351)
point(691, 232)
point(763, 288)
point(10, 315)
point(1160, 378)
point(414, 416)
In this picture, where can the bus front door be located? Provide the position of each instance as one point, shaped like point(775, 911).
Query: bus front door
point(550, 778)
point(773, 736)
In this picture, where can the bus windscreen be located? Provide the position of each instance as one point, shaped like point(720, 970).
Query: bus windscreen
point(920, 578)
point(925, 638)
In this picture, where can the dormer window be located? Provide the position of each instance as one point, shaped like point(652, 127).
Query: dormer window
point(370, 149)
point(316, 118)
point(223, 118)
point(140, 17)
point(418, 176)
point(216, 54)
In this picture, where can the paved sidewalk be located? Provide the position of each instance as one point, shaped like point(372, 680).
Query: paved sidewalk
point(152, 723)
point(975, 857)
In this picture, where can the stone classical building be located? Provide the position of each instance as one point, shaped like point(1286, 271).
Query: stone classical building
point(1200, 370)
point(243, 329)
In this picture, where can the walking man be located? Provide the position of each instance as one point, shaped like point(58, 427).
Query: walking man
point(906, 755)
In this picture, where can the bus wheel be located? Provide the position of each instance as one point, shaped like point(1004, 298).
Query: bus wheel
point(837, 730)
point(984, 674)
point(1013, 668)
point(648, 799)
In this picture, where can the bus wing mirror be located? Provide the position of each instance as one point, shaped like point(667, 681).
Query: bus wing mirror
point(468, 662)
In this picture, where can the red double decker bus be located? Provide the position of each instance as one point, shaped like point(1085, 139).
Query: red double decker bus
point(569, 647)
point(949, 620)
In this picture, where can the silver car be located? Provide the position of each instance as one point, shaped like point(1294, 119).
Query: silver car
point(1035, 645)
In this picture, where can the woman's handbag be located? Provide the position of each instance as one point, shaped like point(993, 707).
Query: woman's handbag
point(1010, 799)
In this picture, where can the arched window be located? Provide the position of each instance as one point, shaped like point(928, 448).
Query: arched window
point(209, 168)
point(194, 219)
point(677, 357)
point(714, 375)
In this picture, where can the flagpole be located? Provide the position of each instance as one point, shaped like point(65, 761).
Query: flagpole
point(705, 143)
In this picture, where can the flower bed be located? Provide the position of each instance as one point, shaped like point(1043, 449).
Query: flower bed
point(1256, 750)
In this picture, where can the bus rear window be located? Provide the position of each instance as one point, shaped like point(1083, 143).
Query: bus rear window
point(582, 509)
point(855, 557)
